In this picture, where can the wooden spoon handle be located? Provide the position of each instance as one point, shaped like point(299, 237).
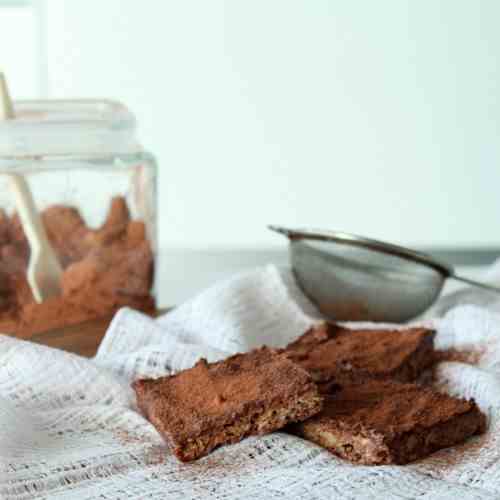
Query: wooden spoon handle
point(26, 208)
point(6, 107)
point(44, 270)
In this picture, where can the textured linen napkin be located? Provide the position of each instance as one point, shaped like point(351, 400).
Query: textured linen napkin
point(70, 429)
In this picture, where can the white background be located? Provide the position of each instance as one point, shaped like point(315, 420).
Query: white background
point(380, 118)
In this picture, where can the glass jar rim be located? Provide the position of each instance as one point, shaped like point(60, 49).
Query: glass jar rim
point(103, 113)
point(65, 126)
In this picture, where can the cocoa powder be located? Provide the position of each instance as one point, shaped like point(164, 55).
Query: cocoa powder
point(104, 269)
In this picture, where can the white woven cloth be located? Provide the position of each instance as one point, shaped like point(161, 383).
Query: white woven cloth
point(69, 427)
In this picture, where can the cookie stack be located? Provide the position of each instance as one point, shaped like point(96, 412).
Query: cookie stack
point(353, 392)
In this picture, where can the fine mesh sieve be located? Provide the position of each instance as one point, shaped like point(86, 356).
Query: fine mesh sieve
point(354, 278)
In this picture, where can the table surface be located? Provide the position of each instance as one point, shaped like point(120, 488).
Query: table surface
point(83, 339)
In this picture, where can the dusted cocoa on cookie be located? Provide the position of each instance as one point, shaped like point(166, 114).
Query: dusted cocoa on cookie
point(383, 422)
point(209, 405)
point(336, 356)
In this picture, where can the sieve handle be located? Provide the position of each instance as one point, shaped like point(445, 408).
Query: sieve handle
point(478, 284)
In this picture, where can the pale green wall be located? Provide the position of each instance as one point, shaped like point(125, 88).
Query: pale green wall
point(377, 117)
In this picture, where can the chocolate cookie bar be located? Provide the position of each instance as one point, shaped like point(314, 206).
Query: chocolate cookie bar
point(209, 405)
point(336, 356)
point(384, 422)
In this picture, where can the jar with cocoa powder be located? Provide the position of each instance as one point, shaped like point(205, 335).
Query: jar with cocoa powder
point(94, 189)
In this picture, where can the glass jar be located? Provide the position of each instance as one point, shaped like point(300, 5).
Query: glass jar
point(94, 188)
